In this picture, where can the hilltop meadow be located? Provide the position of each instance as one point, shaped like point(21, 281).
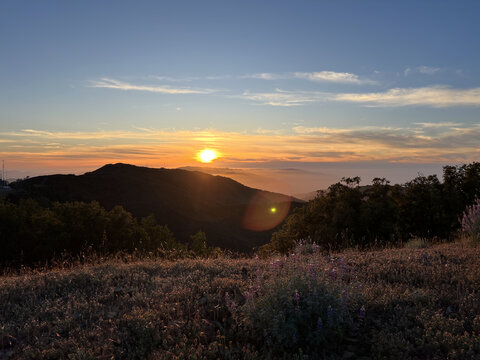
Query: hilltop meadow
point(376, 272)
point(417, 302)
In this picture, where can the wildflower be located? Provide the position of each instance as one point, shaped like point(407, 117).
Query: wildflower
point(311, 271)
point(294, 338)
point(362, 312)
point(471, 220)
point(319, 324)
point(344, 297)
point(330, 313)
point(276, 264)
point(342, 266)
point(296, 296)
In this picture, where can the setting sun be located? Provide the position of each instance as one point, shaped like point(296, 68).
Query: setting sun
point(207, 155)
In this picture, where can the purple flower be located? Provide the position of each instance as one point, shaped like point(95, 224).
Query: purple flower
point(312, 271)
point(296, 296)
point(471, 219)
point(247, 295)
point(344, 297)
point(268, 339)
point(294, 338)
point(362, 312)
point(330, 313)
point(276, 264)
point(319, 324)
point(232, 306)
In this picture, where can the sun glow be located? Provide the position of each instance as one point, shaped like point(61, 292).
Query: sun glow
point(207, 155)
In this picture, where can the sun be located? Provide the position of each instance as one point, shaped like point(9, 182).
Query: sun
point(207, 155)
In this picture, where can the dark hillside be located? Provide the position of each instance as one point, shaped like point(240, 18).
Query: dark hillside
point(186, 201)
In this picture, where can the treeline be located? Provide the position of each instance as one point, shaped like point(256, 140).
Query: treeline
point(350, 215)
point(32, 234)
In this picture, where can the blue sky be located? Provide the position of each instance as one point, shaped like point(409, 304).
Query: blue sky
point(269, 85)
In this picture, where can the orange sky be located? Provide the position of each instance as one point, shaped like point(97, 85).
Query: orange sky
point(77, 152)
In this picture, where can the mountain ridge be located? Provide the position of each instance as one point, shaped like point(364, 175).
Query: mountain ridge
point(186, 201)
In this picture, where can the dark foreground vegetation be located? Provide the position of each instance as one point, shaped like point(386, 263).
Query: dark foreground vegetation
point(33, 235)
point(347, 215)
point(350, 215)
point(410, 303)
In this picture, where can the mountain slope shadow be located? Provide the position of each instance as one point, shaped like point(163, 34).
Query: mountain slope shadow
point(187, 201)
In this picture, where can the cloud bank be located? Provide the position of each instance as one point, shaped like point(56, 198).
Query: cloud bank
point(422, 142)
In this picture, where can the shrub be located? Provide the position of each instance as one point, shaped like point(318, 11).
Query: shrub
point(416, 243)
point(198, 243)
point(471, 221)
point(305, 306)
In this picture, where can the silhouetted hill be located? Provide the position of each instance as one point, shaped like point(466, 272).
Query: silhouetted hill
point(187, 201)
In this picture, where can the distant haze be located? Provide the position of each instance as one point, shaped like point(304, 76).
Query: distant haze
point(293, 179)
point(313, 177)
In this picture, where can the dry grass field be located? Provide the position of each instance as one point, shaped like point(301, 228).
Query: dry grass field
point(409, 303)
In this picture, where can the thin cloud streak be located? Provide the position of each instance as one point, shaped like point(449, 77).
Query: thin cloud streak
point(335, 77)
point(285, 98)
point(316, 76)
point(162, 89)
point(426, 70)
point(434, 96)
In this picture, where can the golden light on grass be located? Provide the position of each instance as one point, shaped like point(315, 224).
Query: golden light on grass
point(207, 155)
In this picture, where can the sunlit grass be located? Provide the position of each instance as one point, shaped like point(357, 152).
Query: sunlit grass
point(411, 303)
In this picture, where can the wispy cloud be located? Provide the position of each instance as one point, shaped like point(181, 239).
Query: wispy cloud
point(426, 70)
point(433, 96)
point(316, 76)
point(284, 98)
point(319, 76)
point(190, 78)
point(267, 76)
point(162, 89)
point(334, 77)
point(439, 125)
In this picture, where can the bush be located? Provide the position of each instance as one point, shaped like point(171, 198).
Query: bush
point(416, 243)
point(471, 221)
point(198, 243)
point(31, 234)
point(349, 215)
point(306, 306)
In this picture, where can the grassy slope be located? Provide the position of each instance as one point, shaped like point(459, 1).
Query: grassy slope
point(420, 303)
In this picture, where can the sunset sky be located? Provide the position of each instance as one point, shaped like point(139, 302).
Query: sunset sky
point(292, 95)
